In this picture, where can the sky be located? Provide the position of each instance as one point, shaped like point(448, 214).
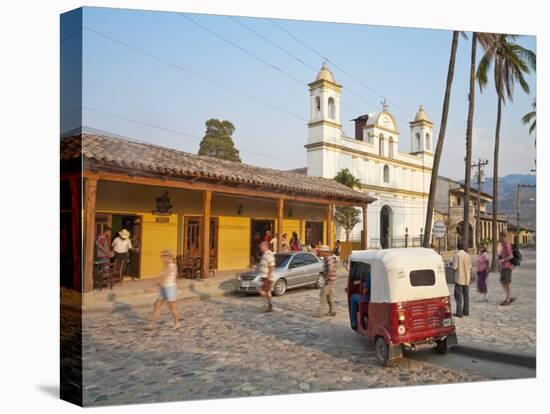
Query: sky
point(158, 76)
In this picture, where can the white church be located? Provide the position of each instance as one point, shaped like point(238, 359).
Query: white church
point(400, 181)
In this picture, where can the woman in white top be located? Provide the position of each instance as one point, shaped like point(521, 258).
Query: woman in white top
point(168, 288)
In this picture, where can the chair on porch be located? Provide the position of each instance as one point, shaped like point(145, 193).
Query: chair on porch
point(109, 274)
point(187, 266)
point(212, 266)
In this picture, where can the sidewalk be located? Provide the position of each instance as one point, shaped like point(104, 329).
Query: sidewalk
point(138, 293)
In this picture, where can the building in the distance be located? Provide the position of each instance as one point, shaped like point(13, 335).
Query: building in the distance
point(449, 208)
point(524, 236)
point(399, 181)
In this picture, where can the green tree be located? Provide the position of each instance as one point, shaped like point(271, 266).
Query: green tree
point(440, 140)
point(345, 177)
point(511, 62)
point(217, 141)
point(486, 40)
point(347, 216)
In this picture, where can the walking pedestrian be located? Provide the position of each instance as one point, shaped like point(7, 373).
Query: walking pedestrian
point(121, 246)
point(168, 289)
point(482, 267)
point(462, 265)
point(326, 296)
point(266, 266)
point(505, 263)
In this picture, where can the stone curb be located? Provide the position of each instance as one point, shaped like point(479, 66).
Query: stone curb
point(148, 304)
point(507, 357)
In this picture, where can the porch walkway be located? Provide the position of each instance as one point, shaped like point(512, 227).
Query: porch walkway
point(137, 293)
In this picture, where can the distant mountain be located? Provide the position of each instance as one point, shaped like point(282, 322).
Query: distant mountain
point(508, 197)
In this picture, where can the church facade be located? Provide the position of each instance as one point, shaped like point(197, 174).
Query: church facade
point(399, 181)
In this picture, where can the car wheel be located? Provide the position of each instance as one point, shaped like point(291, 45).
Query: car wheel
point(442, 347)
point(382, 351)
point(320, 281)
point(280, 287)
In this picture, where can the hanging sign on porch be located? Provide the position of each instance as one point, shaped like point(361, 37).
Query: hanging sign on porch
point(164, 205)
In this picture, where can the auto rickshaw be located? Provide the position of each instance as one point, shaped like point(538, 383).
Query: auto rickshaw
point(407, 305)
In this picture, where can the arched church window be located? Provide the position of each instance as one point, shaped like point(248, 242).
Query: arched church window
point(386, 174)
point(331, 108)
point(317, 107)
point(391, 147)
point(381, 145)
point(428, 142)
point(417, 145)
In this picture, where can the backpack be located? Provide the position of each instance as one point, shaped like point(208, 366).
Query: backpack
point(516, 260)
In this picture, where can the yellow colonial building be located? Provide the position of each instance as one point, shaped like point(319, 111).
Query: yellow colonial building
point(196, 206)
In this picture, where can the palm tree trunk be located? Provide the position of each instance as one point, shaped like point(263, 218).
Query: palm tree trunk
point(495, 188)
point(469, 127)
point(440, 139)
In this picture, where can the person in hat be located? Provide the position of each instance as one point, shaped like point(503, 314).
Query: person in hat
point(329, 265)
point(121, 246)
point(168, 289)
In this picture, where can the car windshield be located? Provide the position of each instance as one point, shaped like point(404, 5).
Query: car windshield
point(281, 260)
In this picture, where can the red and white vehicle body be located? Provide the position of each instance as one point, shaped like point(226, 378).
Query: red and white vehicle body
point(409, 300)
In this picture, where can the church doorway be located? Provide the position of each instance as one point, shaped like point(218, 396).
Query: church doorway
point(385, 227)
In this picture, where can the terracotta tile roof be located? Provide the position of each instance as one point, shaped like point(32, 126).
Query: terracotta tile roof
point(105, 150)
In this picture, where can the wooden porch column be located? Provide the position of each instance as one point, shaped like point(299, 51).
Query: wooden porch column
point(205, 233)
point(280, 209)
point(330, 233)
point(365, 228)
point(76, 227)
point(90, 191)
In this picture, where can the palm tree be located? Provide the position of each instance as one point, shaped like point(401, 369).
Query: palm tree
point(440, 139)
point(347, 216)
point(511, 63)
point(486, 40)
point(345, 177)
point(531, 117)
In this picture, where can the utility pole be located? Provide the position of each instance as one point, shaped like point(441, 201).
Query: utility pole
point(479, 165)
point(517, 208)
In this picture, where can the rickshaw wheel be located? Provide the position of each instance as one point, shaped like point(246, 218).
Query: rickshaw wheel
point(382, 351)
point(441, 347)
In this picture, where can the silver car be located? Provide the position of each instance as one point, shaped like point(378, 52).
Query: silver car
point(292, 270)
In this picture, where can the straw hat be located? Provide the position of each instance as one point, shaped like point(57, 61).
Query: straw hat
point(165, 253)
point(324, 248)
point(124, 233)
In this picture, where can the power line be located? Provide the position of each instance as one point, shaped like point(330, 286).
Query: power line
point(173, 131)
point(335, 65)
point(190, 72)
point(254, 56)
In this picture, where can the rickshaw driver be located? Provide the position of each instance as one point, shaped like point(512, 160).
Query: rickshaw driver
point(357, 298)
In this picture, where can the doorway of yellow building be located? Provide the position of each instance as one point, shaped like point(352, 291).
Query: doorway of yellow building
point(314, 232)
point(193, 226)
point(117, 222)
point(258, 229)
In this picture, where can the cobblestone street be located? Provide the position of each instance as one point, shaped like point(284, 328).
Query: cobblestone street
point(227, 348)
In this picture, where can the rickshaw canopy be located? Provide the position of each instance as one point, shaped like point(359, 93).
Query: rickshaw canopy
point(400, 275)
